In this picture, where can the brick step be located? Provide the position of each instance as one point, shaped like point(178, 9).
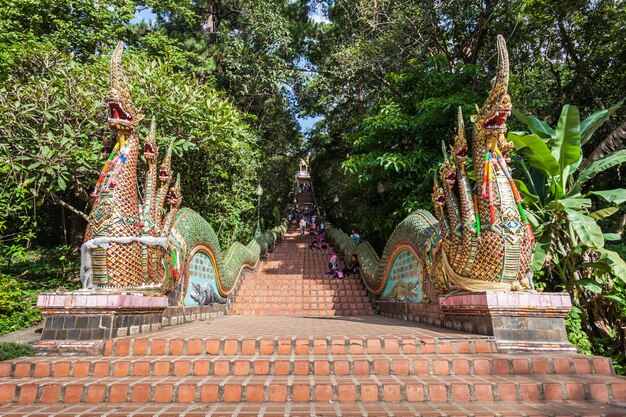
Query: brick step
point(348, 408)
point(285, 303)
point(304, 281)
point(304, 293)
point(306, 302)
point(301, 292)
point(351, 289)
point(304, 308)
point(320, 284)
point(200, 365)
point(348, 288)
point(250, 286)
point(325, 279)
point(304, 313)
point(529, 388)
point(154, 346)
point(298, 299)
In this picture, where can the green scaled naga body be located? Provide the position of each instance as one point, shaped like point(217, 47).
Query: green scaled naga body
point(479, 238)
point(152, 244)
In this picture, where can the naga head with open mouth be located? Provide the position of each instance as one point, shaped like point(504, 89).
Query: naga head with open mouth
point(438, 197)
point(150, 148)
point(497, 107)
point(164, 169)
point(122, 113)
point(174, 193)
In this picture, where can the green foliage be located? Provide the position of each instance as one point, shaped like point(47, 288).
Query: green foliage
point(568, 226)
point(53, 118)
point(396, 144)
point(82, 27)
point(14, 350)
point(28, 274)
point(561, 213)
point(17, 301)
point(575, 333)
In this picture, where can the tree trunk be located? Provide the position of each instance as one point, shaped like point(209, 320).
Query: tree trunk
point(579, 64)
point(78, 224)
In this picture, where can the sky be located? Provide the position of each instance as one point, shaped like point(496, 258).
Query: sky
point(307, 123)
point(143, 15)
point(317, 15)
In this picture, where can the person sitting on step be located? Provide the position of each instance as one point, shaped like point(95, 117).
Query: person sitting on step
point(353, 267)
point(318, 244)
point(335, 271)
point(356, 238)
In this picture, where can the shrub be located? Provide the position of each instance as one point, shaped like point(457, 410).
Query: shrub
point(14, 350)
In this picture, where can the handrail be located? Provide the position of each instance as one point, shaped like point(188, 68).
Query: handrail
point(419, 231)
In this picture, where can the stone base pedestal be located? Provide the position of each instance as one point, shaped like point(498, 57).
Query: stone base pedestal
point(519, 321)
point(416, 312)
point(90, 316)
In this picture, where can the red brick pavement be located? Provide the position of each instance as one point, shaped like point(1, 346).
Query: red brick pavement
point(400, 408)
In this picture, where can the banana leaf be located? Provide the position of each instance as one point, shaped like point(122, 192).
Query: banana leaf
point(616, 196)
point(590, 285)
point(595, 120)
point(617, 264)
point(529, 198)
point(609, 161)
point(536, 126)
point(586, 228)
point(566, 145)
point(537, 153)
point(602, 213)
point(542, 249)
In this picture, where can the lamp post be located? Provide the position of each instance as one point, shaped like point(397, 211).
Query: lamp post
point(259, 193)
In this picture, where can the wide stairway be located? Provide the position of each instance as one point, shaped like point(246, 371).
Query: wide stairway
point(293, 282)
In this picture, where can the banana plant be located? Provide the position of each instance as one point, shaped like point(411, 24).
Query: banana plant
point(570, 242)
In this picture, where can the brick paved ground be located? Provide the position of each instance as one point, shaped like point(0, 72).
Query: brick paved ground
point(403, 408)
point(270, 326)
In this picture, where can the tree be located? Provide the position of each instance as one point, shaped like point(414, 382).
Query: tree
point(397, 145)
point(251, 49)
point(52, 131)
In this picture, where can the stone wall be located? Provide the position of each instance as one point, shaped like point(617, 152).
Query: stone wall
point(416, 312)
point(174, 316)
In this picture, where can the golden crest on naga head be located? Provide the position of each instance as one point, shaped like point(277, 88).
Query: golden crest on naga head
point(448, 170)
point(122, 112)
point(438, 197)
point(459, 149)
point(497, 107)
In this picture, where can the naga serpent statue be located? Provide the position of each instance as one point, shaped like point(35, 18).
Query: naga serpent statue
point(134, 243)
point(480, 239)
